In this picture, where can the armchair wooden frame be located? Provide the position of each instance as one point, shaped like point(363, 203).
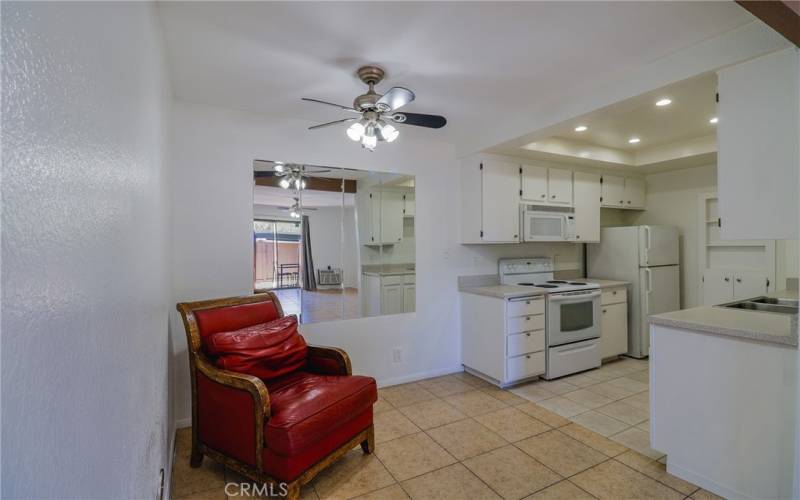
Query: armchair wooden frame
point(198, 361)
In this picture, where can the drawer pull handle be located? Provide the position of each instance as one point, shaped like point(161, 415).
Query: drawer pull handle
point(527, 318)
point(604, 311)
point(614, 292)
point(528, 356)
point(527, 334)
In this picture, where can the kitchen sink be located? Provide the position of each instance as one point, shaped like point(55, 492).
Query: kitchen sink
point(765, 304)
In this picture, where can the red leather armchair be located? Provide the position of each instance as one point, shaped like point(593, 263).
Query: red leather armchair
point(285, 429)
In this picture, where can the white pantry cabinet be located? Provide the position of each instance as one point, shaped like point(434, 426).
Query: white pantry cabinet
point(380, 217)
point(548, 186)
point(614, 322)
point(758, 151)
point(623, 192)
point(587, 207)
point(489, 201)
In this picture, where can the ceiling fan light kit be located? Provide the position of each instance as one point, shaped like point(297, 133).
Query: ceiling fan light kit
point(377, 111)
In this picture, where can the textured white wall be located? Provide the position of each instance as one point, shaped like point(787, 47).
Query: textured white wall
point(84, 251)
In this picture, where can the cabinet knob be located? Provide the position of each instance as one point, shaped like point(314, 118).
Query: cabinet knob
point(516, 235)
point(621, 202)
point(528, 356)
point(577, 236)
point(544, 196)
point(614, 292)
point(552, 196)
point(528, 302)
point(738, 280)
point(527, 318)
point(604, 311)
point(527, 334)
point(629, 202)
point(727, 279)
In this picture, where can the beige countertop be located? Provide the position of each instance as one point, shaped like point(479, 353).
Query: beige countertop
point(752, 325)
point(512, 291)
point(387, 269)
point(607, 283)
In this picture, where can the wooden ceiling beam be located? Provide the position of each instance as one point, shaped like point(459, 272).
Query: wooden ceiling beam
point(778, 15)
point(313, 183)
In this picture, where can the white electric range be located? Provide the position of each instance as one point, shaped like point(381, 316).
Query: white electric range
point(572, 314)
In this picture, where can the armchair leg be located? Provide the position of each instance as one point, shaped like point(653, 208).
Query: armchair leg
point(196, 458)
point(368, 445)
point(293, 490)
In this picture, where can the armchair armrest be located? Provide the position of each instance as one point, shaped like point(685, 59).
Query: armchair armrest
point(232, 409)
point(328, 360)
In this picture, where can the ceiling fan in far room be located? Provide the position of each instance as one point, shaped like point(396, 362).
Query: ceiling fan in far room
point(378, 112)
point(291, 175)
point(295, 211)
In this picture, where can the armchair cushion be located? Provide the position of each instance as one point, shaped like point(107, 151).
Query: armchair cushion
point(307, 407)
point(266, 350)
point(235, 317)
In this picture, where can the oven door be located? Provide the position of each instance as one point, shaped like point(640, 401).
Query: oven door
point(573, 316)
point(543, 226)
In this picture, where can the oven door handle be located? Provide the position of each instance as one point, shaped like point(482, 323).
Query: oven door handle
point(574, 298)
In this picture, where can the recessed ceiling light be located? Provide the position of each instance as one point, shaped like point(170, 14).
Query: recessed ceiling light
point(581, 128)
point(633, 140)
point(665, 101)
point(713, 120)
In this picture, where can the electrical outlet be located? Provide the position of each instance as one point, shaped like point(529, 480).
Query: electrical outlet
point(397, 355)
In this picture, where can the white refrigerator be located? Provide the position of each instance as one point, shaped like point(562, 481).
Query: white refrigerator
point(648, 258)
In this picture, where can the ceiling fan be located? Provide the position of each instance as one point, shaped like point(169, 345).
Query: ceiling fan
point(295, 211)
point(292, 175)
point(378, 112)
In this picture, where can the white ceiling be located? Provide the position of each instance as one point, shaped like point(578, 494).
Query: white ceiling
point(474, 62)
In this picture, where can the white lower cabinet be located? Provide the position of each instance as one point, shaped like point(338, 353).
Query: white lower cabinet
point(391, 299)
point(614, 322)
point(503, 340)
point(409, 298)
point(389, 294)
point(722, 285)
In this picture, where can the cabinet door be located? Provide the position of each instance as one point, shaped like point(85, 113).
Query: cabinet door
point(757, 153)
point(391, 299)
point(559, 186)
point(634, 193)
point(500, 202)
point(748, 284)
point(613, 191)
point(587, 207)
point(614, 330)
point(409, 298)
point(534, 184)
point(374, 219)
point(717, 287)
point(391, 217)
point(409, 205)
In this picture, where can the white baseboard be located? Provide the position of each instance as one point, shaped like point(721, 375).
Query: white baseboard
point(183, 422)
point(413, 377)
point(167, 494)
point(703, 482)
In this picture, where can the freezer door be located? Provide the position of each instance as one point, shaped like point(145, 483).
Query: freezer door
point(658, 246)
point(660, 293)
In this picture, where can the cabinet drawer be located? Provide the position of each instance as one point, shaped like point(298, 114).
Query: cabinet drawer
point(524, 343)
point(614, 296)
point(394, 279)
point(525, 307)
point(409, 279)
point(525, 323)
point(527, 365)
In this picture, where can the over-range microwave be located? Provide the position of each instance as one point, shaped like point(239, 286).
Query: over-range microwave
point(547, 223)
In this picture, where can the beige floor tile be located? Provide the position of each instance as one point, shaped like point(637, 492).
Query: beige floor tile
point(587, 398)
point(405, 394)
point(474, 403)
point(504, 395)
point(639, 440)
point(580, 380)
point(454, 482)
point(447, 386)
point(352, 475)
point(705, 495)
point(599, 423)
point(215, 494)
point(639, 401)
point(630, 384)
point(471, 379)
point(413, 455)
point(561, 453)
point(624, 412)
point(642, 376)
point(645, 426)
point(534, 391)
point(603, 375)
point(430, 414)
point(466, 438)
point(183, 442)
point(511, 473)
point(391, 425)
point(612, 480)
point(588, 437)
point(543, 414)
point(563, 406)
point(656, 470)
point(512, 424)
point(187, 480)
point(563, 490)
point(610, 391)
point(381, 406)
point(394, 492)
point(558, 387)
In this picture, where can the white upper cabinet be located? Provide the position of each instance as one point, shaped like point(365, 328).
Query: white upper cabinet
point(380, 217)
point(409, 205)
point(559, 184)
point(633, 193)
point(587, 207)
point(613, 191)
point(758, 147)
point(534, 184)
point(489, 201)
point(391, 217)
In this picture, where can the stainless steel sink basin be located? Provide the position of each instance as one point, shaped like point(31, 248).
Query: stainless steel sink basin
point(765, 304)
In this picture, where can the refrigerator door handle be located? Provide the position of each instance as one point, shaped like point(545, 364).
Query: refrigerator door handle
point(647, 243)
point(649, 275)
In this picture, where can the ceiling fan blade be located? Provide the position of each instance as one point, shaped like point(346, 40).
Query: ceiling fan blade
point(322, 125)
point(346, 108)
point(263, 173)
point(420, 120)
point(394, 98)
